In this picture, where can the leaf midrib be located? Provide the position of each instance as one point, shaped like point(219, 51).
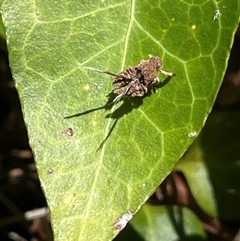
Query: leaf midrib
point(91, 194)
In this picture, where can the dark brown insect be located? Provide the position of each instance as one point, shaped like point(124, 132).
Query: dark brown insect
point(137, 81)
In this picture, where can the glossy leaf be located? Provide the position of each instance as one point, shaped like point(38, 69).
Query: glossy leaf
point(113, 162)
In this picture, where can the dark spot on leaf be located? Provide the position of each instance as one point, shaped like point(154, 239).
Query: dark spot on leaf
point(50, 171)
point(68, 132)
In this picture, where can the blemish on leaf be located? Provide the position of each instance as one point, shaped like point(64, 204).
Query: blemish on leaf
point(50, 171)
point(193, 26)
point(94, 123)
point(217, 14)
point(68, 198)
point(86, 87)
point(68, 132)
point(122, 221)
point(192, 134)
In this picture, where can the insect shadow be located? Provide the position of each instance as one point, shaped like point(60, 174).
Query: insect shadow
point(127, 106)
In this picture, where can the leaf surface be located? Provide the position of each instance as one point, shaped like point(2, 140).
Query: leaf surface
point(90, 182)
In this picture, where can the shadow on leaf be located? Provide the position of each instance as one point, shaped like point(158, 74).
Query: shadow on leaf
point(128, 105)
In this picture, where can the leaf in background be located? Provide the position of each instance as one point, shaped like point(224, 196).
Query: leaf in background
point(2, 36)
point(167, 223)
point(51, 41)
point(212, 167)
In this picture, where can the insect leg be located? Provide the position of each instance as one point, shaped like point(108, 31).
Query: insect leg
point(119, 97)
point(167, 73)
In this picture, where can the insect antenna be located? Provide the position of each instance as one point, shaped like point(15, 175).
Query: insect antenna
point(100, 71)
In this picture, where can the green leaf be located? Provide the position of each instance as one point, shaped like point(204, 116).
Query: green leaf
point(2, 35)
point(51, 41)
point(167, 223)
point(212, 168)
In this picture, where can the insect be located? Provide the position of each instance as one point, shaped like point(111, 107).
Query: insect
point(136, 81)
